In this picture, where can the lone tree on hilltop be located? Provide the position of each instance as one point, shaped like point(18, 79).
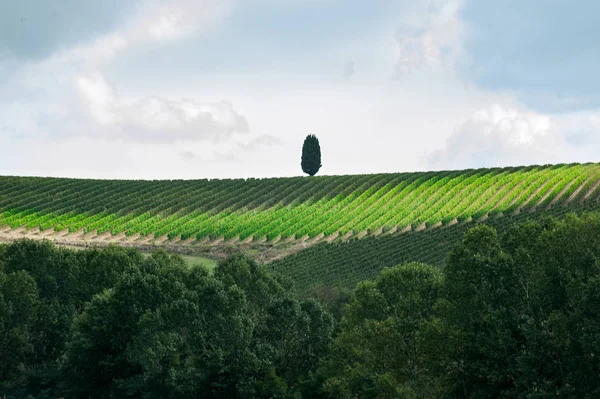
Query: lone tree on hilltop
point(311, 155)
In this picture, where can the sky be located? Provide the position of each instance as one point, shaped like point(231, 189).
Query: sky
point(186, 89)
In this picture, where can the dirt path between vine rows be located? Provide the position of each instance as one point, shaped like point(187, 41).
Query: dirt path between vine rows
point(216, 249)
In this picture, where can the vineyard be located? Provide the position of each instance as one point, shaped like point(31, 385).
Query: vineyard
point(344, 264)
point(283, 210)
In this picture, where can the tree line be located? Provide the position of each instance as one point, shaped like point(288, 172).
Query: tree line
point(509, 316)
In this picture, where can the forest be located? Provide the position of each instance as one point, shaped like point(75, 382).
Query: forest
point(509, 314)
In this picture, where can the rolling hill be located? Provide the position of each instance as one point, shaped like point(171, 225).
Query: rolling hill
point(343, 264)
point(281, 213)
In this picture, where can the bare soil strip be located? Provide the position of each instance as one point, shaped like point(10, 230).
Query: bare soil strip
point(576, 192)
point(189, 241)
point(347, 236)
point(332, 237)
point(561, 194)
point(46, 233)
point(493, 197)
point(377, 232)
point(455, 220)
point(590, 191)
point(435, 226)
point(361, 234)
point(316, 238)
point(533, 194)
point(133, 237)
point(421, 227)
point(534, 208)
point(247, 240)
point(214, 249)
point(78, 234)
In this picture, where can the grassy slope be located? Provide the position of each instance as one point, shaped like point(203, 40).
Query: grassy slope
point(345, 264)
point(285, 209)
point(190, 260)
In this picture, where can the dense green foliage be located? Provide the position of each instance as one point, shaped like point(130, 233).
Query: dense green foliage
point(286, 209)
point(344, 264)
point(388, 345)
point(110, 323)
point(42, 289)
point(311, 155)
point(509, 315)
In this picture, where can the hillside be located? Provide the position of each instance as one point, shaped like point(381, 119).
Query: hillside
point(344, 264)
point(279, 212)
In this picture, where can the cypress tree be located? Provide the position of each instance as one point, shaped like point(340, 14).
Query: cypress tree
point(311, 155)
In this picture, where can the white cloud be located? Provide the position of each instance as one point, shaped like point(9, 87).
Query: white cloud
point(69, 94)
point(430, 34)
point(187, 155)
point(109, 107)
point(260, 141)
point(156, 118)
point(84, 157)
point(173, 20)
point(160, 21)
point(500, 136)
point(517, 128)
point(153, 22)
point(8, 132)
point(100, 99)
point(581, 129)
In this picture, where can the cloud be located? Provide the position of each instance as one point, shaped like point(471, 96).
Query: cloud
point(150, 23)
point(224, 157)
point(166, 80)
point(581, 129)
point(242, 151)
point(169, 20)
point(155, 118)
point(349, 70)
point(32, 30)
point(222, 151)
point(187, 155)
point(430, 34)
point(8, 132)
point(546, 54)
point(261, 141)
point(499, 136)
point(66, 93)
